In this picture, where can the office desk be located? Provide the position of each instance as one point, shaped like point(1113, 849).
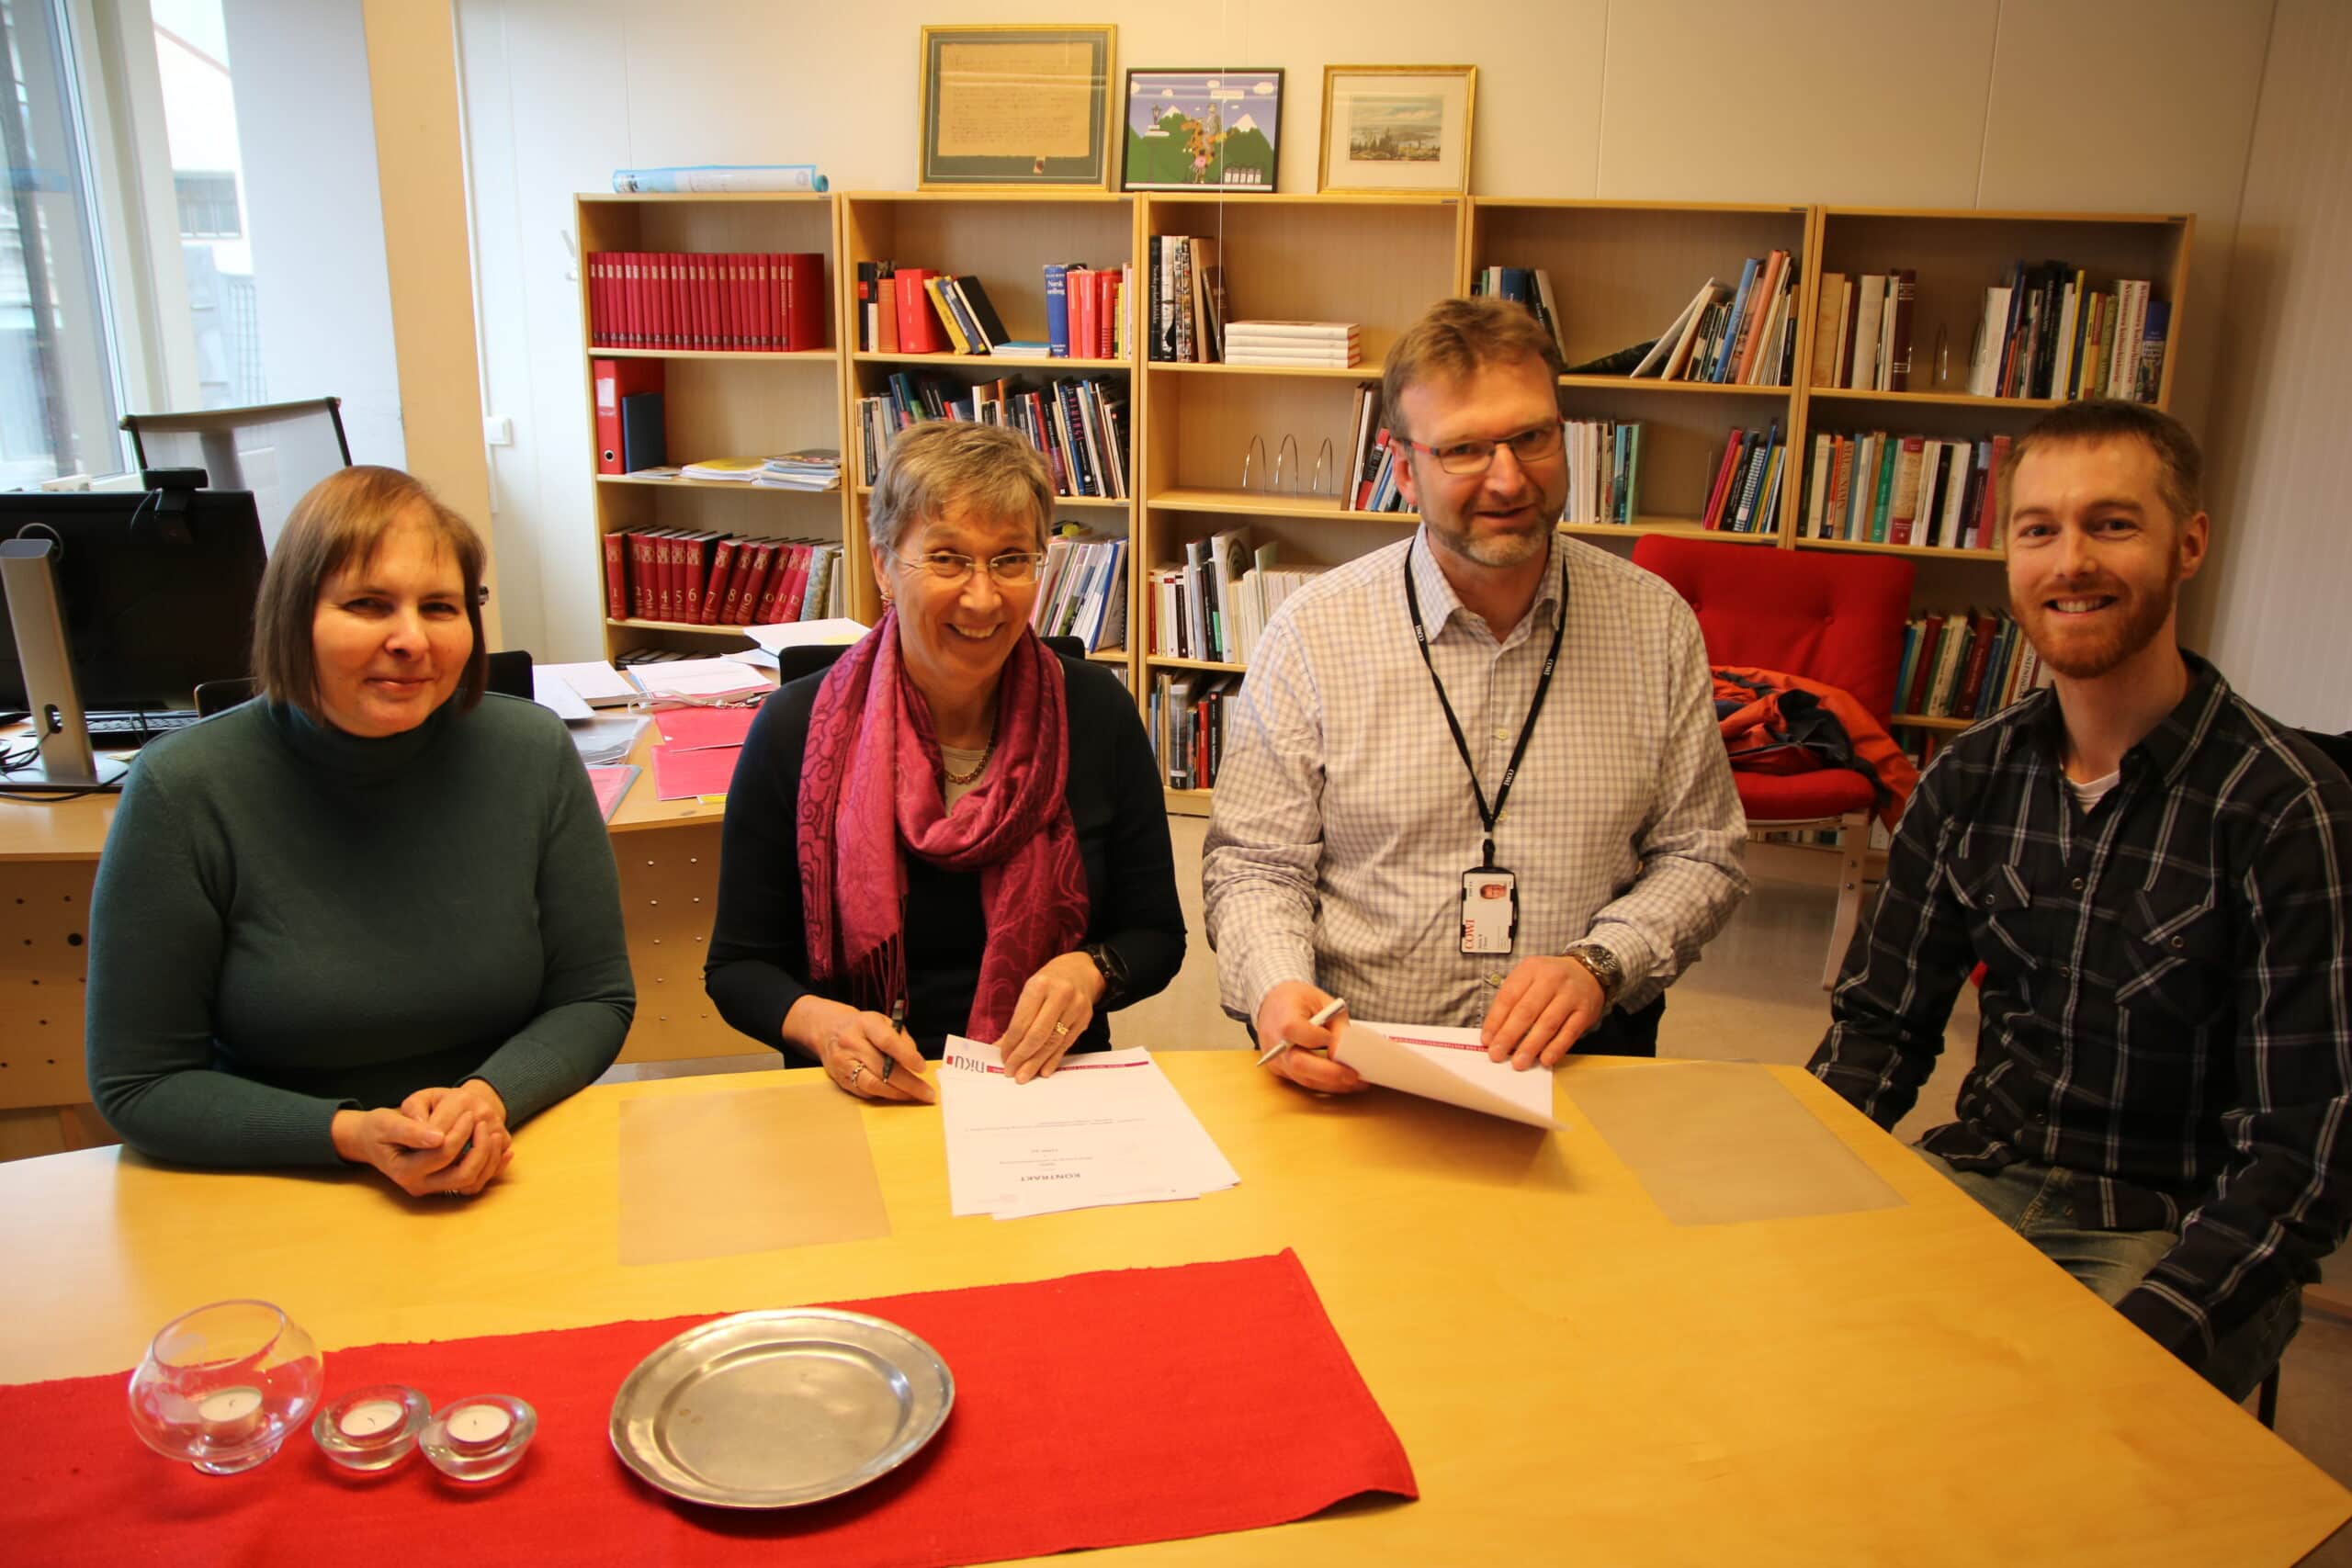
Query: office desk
point(1574, 1378)
point(668, 856)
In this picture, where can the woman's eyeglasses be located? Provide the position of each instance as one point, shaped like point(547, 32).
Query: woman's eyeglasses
point(1013, 569)
point(1534, 446)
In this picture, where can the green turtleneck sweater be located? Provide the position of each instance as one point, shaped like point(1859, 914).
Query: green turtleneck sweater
point(290, 921)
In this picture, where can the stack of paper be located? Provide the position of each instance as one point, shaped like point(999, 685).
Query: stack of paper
point(832, 630)
point(608, 738)
point(598, 683)
point(817, 469)
point(1446, 1064)
point(724, 470)
point(1106, 1127)
point(1334, 345)
point(697, 678)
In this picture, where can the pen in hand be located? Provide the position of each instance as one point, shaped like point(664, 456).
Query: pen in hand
point(898, 1027)
point(1324, 1015)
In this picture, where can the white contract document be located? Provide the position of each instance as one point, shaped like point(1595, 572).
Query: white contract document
point(1446, 1064)
point(1106, 1127)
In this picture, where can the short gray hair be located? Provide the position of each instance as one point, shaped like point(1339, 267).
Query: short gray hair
point(992, 471)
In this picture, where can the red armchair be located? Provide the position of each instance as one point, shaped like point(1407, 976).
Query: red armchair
point(1834, 618)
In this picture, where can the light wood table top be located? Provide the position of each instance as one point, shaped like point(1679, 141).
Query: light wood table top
point(1568, 1372)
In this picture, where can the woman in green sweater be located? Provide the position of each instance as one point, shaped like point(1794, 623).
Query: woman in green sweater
point(370, 916)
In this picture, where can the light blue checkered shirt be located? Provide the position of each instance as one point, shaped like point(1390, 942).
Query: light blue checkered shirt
point(1342, 821)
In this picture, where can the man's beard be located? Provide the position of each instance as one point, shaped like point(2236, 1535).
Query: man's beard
point(1497, 551)
point(2087, 660)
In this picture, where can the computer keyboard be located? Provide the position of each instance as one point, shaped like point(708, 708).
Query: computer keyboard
point(138, 725)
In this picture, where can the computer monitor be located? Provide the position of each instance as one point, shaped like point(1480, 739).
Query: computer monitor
point(156, 589)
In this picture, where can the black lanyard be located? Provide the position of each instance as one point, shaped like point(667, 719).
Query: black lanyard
point(1488, 818)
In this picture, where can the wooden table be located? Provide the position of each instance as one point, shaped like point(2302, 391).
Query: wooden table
point(1574, 1378)
point(668, 856)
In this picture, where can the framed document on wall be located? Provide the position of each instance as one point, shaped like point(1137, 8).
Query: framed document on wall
point(1017, 107)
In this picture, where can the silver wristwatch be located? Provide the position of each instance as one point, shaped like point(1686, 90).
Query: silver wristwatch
point(1603, 966)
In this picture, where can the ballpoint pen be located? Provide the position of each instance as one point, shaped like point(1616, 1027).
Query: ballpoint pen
point(1324, 1015)
point(897, 1026)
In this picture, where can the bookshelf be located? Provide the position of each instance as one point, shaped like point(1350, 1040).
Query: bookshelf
point(716, 402)
point(1620, 273)
point(1376, 260)
point(1006, 240)
point(1956, 255)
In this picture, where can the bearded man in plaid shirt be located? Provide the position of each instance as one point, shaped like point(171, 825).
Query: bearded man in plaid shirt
point(2153, 872)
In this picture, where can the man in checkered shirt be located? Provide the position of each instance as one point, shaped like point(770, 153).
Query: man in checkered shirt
point(1349, 845)
point(2154, 874)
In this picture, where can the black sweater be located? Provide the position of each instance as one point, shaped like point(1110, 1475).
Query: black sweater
point(759, 959)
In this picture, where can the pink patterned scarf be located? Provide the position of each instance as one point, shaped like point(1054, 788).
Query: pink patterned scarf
point(870, 794)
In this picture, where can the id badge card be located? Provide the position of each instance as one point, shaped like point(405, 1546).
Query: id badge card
point(1489, 909)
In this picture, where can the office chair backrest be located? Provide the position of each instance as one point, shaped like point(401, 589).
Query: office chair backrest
point(510, 673)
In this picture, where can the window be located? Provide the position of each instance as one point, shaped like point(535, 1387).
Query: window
point(208, 204)
point(59, 377)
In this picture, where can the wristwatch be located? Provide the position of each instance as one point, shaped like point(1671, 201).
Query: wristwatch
point(1602, 965)
point(1113, 970)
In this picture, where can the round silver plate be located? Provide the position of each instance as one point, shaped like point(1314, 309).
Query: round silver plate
point(774, 1409)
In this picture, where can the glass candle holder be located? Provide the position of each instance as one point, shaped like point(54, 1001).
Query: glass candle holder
point(480, 1436)
point(372, 1428)
point(219, 1387)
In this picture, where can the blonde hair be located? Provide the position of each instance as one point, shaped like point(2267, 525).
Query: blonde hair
point(1457, 337)
point(343, 519)
point(990, 469)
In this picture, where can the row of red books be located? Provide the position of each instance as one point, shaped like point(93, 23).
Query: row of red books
point(714, 579)
point(751, 302)
point(912, 309)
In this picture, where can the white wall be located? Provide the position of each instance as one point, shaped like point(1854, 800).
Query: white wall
point(2272, 613)
point(2134, 104)
point(303, 124)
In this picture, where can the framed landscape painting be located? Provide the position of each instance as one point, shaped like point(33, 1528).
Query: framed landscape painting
point(1202, 130)
point(1397, 128)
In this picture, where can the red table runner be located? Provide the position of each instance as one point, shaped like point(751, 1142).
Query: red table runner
point(1094, 1410)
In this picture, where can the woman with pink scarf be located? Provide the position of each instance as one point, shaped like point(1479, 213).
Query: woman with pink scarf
point(953, 830)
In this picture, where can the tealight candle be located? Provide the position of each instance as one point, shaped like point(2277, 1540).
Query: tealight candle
point(373, 1428)
point(230, 1415)
point(479, 1437)
point(479, 1426)
point(368, 1420)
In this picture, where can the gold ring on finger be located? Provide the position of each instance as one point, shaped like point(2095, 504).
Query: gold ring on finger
point(1061, 1028)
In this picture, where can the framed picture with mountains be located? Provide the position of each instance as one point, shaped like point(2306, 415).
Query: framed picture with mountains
point(1202, 130)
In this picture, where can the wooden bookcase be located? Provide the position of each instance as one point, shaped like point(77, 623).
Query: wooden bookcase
point(718, 403)
point(1957, 256)
point(1620, 273)
point(1376, 260)
point(1006, 240)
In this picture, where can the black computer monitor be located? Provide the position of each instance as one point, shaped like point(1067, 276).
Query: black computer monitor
point(156, 589)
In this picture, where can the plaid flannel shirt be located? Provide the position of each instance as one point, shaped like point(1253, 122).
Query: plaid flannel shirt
point(2167, 1004)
